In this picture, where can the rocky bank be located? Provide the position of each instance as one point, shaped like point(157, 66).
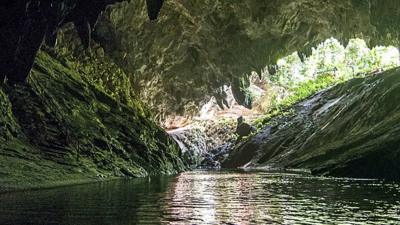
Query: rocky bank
point(349, 130)
point(58, 129)
point(205, 144)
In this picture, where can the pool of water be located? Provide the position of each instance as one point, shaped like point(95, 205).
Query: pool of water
point(209, 197)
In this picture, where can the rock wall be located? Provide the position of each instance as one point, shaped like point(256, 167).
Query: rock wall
point(59, 129)
point(26, 24)
point(349, 130)
point(198, 46)
point(193, 143)
point(205, 143)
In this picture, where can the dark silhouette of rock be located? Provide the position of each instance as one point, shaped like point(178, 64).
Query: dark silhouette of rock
point(153, 8)
point(243, 129)
point(26, 24)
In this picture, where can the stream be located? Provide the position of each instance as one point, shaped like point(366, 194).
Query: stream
point(209, 197)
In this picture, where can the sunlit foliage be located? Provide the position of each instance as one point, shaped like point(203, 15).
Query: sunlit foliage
point(328, 64)
point(331, 57)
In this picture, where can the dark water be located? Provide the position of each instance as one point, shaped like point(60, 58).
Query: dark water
point(202, 197)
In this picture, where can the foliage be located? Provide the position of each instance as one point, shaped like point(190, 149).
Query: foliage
point(104, 74)
point(289, 71)
point(308, 88)
point(329, 64)
point(332, 57)
point(298, 94)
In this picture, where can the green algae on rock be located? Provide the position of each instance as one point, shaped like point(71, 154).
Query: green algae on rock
point(60, 130)
point(349, 130)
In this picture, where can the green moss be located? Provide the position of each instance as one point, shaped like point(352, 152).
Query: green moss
point(60, 129)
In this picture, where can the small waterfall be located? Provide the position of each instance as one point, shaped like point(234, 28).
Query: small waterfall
point(193, 144)
point(204, 145)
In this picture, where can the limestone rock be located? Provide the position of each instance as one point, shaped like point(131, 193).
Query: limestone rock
point(349, 130)
point(196, 47)
point(58, 129)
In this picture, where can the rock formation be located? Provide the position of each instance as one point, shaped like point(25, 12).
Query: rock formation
point(205, 143)
point(59, 129)
point(26, 23)
point(198, 46)
point(349, 130)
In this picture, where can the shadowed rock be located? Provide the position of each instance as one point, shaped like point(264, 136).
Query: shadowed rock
point(209, 44)
point(26, 24)
point(58, 130)
point(153, 8)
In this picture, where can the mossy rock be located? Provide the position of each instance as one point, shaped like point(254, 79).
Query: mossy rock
point(58, 129)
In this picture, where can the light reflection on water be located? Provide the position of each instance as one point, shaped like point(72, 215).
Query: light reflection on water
point(204, 197)
point(248, 198)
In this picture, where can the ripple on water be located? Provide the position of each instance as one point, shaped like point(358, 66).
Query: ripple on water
point(204, 197)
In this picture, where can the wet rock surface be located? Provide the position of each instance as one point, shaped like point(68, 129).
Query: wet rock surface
point(214, 158)
point(193, 143)
point(58, 129)
point(205, 144)
point(348, 130)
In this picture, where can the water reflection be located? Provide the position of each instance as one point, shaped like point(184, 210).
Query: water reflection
point(249, 198)
point(203, 197)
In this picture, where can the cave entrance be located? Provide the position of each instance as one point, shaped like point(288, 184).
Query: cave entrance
point(293, 78)
point(207, 137)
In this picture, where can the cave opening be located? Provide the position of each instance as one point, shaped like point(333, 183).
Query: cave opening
point(293, 79)
point(199, 112)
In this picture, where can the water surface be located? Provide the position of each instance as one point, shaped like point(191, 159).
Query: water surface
point(204, 197)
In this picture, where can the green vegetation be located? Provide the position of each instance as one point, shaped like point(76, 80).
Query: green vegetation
point(330, 63)
point(308, 88)
point(100, 71)
point(331, 57)
point(348, 130)
point(59, 129)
